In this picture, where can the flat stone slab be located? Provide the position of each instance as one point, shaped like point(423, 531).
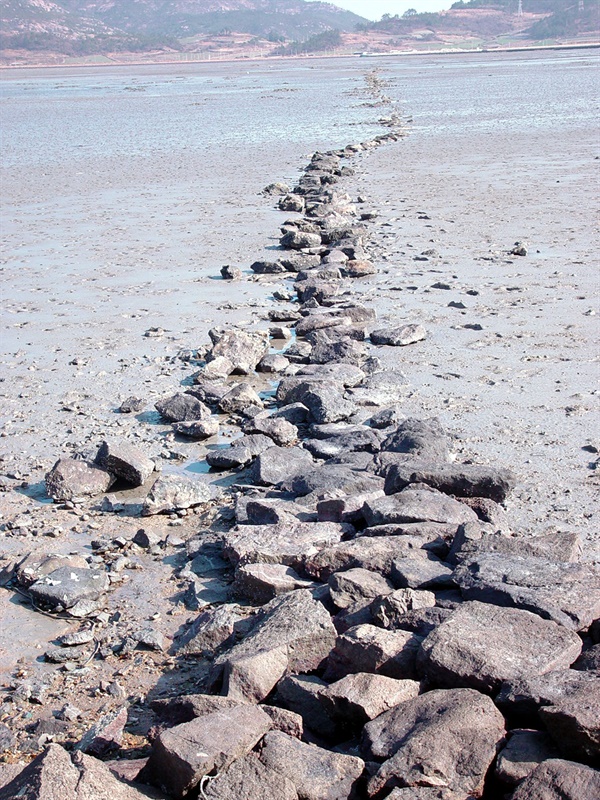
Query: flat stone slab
point(66, 586)
point(277, 464)
point(470, 542)
point(481, 645)
point(440, 739)
point(71, 477)
point(376, 553)
point(566, 593)
point(287, 543)
point(399, 336)
point(183, 755)
point(423, 438)
point(316, 773)
point(417, 505)
point(260, 583)
point(521, 699)
point(332, 478)
point(463, 480)
point(173, 492)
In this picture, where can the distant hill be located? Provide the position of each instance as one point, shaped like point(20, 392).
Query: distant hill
point(102, 25)
point(540, 19)
point(248, 28)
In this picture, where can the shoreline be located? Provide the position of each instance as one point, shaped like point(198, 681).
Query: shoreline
point(267, 59)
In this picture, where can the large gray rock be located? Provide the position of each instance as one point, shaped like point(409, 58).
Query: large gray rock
point(439, 739)
point(399, 336)
point(186, 707)
point(40, 563)
point(381, 389)
point(183, 755)
point(260, 583)
point(292, 633)
point(471, 541)
point(249, 779)
point(303, 695)
point(367, 648)
point(237, 455)
point(415, 572)
point(282, 432)
point(316, 773)
point(299, 240)
point(341, 350)
point(522, 754)
point(463, 480)
point(481, 645)
point(376, 553)
point(173, 492)
point(241, 397)
point(346, 439)
point(125, 461)
point(66, 586)
point(58, 775)
point(243, 348)
point(345, 374)
point(71, 477)
point(209, 631)
point(357, 585)
point(197, 429)
point(326, 404)
point(388, 610)
point(360, 697)
point(556, 779)
point(277, 464)
point(566, 593)
point(574, 724)
point(332, 479)
point(418, 437)
point(287, 542)
point(182, 408)
point(521, 699)
point(417, 505)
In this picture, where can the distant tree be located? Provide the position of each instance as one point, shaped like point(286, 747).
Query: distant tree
point(410, 12)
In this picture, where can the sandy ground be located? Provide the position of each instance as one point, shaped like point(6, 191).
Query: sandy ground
point(521, 391)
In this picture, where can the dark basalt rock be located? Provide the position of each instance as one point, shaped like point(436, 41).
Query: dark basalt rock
point(182, 408)
point(566, 593)
point(126, 462)
point(464, 480)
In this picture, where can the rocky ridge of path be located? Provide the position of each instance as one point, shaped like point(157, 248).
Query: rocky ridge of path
point(365, 623)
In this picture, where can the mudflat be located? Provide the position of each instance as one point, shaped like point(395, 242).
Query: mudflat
point(116, 305)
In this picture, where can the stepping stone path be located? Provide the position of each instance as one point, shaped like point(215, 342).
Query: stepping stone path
point(390, 641)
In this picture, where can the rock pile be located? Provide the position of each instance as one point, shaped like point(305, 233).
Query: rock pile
point(396, 642)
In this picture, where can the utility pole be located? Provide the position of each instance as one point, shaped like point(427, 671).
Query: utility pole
point(520, 9)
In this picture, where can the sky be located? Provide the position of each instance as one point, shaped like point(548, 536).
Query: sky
point(375, 9)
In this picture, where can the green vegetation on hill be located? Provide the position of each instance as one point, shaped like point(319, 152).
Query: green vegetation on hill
point(320, 42)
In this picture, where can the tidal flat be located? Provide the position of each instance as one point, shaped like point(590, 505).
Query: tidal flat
point(127, 190)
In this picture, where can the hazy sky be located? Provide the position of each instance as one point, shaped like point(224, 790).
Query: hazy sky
point(375, 9)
